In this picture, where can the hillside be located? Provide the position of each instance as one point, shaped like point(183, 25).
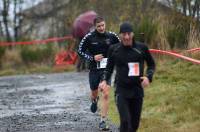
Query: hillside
point(163, 27)
point(55, 18)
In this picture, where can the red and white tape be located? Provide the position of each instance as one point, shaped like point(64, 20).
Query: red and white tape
point(60, 39)
point(192, 50)
point(56, 39)
point(175, 55)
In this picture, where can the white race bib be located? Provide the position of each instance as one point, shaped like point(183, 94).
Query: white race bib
point(102, 63)
point(134, 69)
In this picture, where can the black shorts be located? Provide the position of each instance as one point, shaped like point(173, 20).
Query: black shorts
point(95, 77)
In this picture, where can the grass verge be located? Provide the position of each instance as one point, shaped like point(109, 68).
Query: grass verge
point(171, 103)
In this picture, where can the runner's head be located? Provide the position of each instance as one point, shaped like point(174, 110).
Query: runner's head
point(100, 24)
point(126, 34)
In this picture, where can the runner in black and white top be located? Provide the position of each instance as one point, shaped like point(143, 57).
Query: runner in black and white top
point(94, 47)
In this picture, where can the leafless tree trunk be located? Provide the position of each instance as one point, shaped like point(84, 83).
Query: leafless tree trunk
point(6, 5)
point(54, 23)
point(1, 22)
point(17, 18)
point(184, 5)
point(198, 9)
point(1, 30)
point(189, 7)
point(15, 21)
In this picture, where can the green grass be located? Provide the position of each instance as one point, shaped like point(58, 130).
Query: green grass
point(172, 102)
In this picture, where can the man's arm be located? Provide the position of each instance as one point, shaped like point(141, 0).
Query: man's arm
point(150, 64)
point(108, 71)
point(110, 64)
point(83, 46)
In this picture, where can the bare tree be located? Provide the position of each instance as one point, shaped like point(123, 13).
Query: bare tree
point(5, 14)
point(195, 9)
point(17, 20)
point(11, 23)
point(198, 9)
point(187, 7)
point(192, 6)
point(1, 22)
point(1, 29)
point(184, 5)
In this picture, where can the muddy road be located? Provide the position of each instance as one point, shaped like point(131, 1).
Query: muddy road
point(47, 103)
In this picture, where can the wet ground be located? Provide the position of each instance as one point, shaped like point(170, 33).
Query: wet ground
point(47, 103)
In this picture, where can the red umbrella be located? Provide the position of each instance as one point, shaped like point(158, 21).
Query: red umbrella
point(83, 24)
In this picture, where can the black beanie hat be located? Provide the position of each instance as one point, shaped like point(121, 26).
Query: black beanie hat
point(125, 27)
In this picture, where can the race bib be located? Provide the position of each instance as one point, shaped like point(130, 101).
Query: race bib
point(102, 63)
point(134, 69)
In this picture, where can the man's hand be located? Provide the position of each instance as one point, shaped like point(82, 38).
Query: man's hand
point(103, 85)
point(145, 81)
point(98, 57)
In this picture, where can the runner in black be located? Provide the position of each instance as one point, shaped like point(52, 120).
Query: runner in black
point(129, 57)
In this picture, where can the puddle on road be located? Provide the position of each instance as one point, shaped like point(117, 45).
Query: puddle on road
point(46, 98)
point(56, 102)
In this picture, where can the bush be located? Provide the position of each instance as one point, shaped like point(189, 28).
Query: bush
point(146, 30)
point(2, 52)
point(38, 55)
point(12, 59)
point(177, 37)
point(177, 33)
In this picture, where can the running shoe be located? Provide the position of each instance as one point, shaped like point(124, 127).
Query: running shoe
point(93, 106)
point(103, 126)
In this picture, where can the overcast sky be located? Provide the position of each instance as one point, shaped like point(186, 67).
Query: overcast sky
point(27, 4)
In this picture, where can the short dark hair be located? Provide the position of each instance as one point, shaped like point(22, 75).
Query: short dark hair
point(98, 19)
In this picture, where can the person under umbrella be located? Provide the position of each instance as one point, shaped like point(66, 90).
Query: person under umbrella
point(81, 26)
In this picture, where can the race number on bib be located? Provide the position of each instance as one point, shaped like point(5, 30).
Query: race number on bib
point(102, 63)
point(134, 69)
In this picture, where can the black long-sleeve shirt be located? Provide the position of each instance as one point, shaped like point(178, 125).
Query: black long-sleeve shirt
point(96, 43)
point(129, 63)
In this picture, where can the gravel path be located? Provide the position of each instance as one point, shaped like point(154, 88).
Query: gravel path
point(47, 103)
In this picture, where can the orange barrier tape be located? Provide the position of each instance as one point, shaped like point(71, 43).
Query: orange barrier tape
point(192, 50)
point(36, 41)
point(74, 57)
point(176, 55)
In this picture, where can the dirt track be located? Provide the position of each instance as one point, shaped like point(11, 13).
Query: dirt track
point(47, 103)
